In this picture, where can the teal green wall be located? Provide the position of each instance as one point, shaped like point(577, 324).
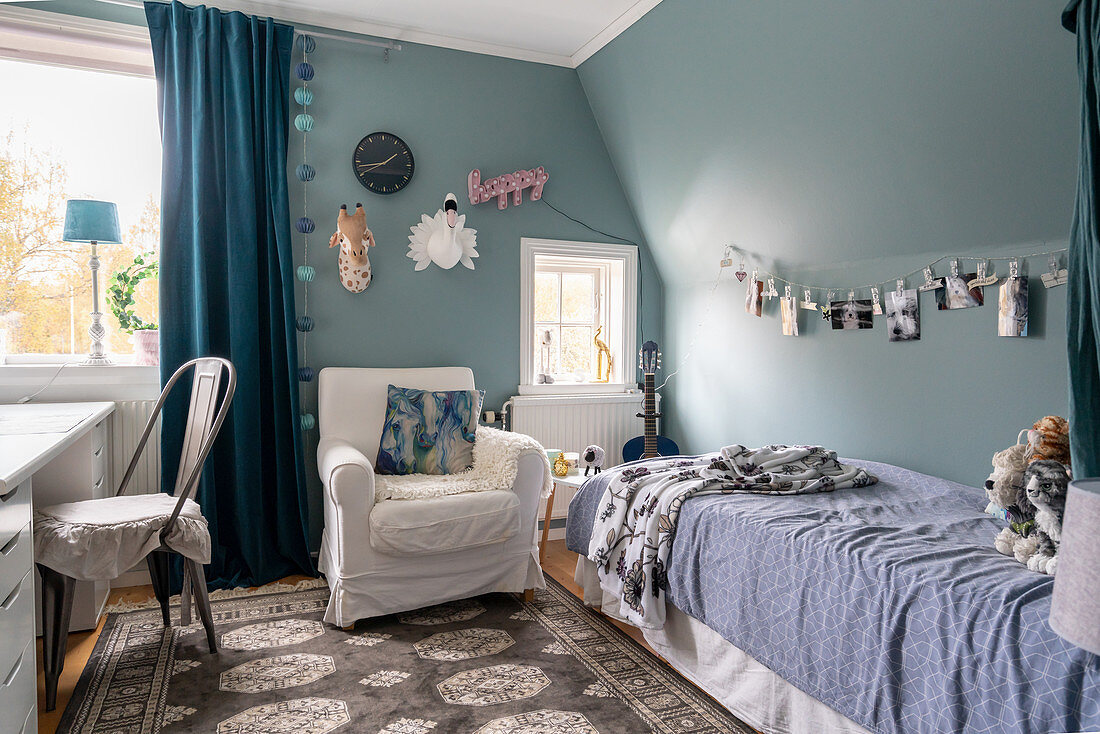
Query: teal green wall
point(457, 111)
point(843, 143)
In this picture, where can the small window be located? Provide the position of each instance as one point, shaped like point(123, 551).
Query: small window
point(578, 317)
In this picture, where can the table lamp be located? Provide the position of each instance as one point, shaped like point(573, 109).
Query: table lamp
point(1075, 609)
point(96, 222)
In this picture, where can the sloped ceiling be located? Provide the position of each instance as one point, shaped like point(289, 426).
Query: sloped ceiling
point(813, 132)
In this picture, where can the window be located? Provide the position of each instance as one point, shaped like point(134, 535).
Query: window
point(579, 303)
point(71, 130)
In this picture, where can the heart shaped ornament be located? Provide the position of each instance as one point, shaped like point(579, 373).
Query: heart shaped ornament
point(741, 275)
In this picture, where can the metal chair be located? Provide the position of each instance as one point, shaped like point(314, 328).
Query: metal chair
point(204, 421)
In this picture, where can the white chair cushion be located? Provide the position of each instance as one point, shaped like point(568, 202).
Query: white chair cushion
point(102, 539)
point(443, 524)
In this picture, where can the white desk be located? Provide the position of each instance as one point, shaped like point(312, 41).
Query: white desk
point(64, 466)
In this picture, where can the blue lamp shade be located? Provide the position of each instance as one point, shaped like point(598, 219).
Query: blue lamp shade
point(87, 220)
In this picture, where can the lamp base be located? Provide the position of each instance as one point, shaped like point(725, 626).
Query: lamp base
point(101, 359)
point(96, 331)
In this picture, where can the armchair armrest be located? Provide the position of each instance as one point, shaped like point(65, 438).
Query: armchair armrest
point(347, 476)
point(532, 477)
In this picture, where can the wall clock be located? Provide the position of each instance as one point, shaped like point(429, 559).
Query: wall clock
point(383, 163)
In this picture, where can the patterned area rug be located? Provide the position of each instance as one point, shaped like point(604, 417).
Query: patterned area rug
point(489, 665)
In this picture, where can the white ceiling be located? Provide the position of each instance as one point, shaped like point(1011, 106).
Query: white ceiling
point(559, 32)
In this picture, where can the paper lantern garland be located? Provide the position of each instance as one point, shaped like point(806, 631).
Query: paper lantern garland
point(303, 96)
point(304, 122)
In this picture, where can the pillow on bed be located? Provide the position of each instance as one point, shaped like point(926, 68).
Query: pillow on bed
point(428, 432)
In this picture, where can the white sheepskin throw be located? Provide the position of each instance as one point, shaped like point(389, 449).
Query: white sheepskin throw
point(496, 458)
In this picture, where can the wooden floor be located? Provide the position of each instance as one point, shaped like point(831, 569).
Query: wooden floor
point(559, 564)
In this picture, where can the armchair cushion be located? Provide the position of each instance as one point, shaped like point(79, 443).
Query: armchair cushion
point(444, 524)
point(428, 432)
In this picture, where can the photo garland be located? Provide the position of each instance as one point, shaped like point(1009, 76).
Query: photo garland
point(955, 291)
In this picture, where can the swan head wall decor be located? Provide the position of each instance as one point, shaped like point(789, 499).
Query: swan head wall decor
point(354, 238)
point(443, 239)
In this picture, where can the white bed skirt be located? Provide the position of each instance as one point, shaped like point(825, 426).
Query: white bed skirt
point(749, 689)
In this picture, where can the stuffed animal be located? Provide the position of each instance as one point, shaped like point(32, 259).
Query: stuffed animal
point(593, 457)
point(1008, 500)
point(354, 238)
point(1049, 439)
point(1046, 483)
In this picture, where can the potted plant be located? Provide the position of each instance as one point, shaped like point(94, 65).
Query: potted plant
point(120, 298)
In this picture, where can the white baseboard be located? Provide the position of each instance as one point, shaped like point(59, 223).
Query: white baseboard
point(139, 576)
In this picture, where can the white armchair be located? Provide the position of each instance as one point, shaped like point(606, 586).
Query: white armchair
point(384, 556)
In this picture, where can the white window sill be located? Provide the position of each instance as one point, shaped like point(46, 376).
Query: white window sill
point(78, 382)
point(577, 388)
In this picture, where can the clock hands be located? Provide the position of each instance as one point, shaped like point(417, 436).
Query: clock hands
point(371, 166)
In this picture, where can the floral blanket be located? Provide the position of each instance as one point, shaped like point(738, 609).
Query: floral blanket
point(641, 508)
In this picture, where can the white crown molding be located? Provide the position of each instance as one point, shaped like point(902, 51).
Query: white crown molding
point(612, 31)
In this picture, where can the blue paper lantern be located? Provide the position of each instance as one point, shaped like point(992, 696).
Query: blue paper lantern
point(306, 273)
point(305, 172)
point(305, 374)
point(304, 122)
point(308, 421)
point(304, 225)
point(304, 71)
point(303, 96)
point(307, 43)
point(304, 323)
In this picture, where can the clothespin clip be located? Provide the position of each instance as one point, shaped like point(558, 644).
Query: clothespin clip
point(727, 257)
point(901, 287)
point(1057, 276)
point(931, 283)
point(955, 268)
point(771, 292)
point(876, 304)
point(1014, 268)
point(827, 307)
point(982, 280)
point(787, 291)
point(807, 300)
point(851, 296)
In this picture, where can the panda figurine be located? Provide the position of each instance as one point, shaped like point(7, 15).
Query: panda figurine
point(593, 457)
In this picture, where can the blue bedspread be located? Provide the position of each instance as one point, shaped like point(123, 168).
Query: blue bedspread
point(888, 603)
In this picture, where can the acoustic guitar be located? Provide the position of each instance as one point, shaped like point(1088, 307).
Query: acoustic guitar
point(650, 444)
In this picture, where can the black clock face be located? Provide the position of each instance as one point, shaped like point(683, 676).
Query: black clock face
point(383, 163)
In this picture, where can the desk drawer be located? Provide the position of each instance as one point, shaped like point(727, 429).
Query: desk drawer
point(15, 559)
point(15, 511)
point(17, 621)
point(18, 691)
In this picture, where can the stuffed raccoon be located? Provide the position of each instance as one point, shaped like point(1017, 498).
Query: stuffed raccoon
point(1046, 483)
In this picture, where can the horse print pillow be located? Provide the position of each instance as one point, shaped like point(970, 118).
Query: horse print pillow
point(428, 432)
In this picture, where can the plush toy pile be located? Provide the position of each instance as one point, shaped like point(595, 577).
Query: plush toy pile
point(1028, 489)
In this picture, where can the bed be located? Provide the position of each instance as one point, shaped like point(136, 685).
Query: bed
point(882, 609)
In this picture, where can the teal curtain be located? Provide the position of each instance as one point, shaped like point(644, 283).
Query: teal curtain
point(1083, 297)
point(226, 285)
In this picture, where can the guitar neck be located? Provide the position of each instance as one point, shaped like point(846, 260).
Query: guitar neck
point(650, 418)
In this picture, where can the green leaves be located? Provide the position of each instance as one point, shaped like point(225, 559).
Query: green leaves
point(120, 292)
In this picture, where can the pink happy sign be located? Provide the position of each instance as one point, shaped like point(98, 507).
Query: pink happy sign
point(509, 183)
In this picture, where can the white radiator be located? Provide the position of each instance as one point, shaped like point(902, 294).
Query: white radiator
point(571, 422)
point(127, 423)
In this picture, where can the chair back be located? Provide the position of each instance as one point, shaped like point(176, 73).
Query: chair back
point(351, 401)
point(205, 417)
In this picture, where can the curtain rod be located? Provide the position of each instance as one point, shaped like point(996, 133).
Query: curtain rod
point(388, 45)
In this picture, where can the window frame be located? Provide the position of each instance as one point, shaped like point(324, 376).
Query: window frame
point(609, 255)
point(43, 37)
